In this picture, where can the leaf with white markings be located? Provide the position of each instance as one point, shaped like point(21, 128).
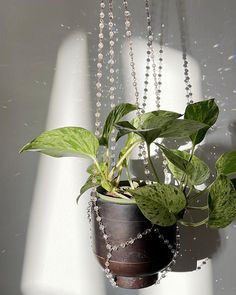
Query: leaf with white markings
point(197, 170)
point(206, 112)
point(222, 202)
point(160, 203)
point(226, 164)
point(117, 113)
point(65, 142)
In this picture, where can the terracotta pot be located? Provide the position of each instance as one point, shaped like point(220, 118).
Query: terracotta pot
point(135, 266)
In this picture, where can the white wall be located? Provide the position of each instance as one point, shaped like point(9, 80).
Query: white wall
point(31, 33)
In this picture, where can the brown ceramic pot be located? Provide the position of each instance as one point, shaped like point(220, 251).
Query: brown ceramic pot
point(135, 266)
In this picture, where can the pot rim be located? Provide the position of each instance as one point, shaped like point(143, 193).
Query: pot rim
point(101, 193)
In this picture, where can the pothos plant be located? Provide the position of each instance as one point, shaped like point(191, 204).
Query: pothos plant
point(163, 204)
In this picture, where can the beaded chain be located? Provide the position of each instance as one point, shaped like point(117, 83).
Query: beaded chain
point(112, 88)
point(182, 28)
point(157, 83)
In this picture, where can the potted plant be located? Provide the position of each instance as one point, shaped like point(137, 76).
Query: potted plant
point(134, 221)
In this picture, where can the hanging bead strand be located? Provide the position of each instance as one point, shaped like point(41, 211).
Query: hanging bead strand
point(111, 77)
point(182, 28)
point(128, 34)
point(99, 70)
point(150, 52)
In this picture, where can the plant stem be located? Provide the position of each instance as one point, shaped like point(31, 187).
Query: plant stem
point(129, 177)
point(198, 208)
point(120, 196)
point(185, 175)
point(194, 224)
point(100, 171)
point(201, 192)
point(121, 160)
point(151, 163)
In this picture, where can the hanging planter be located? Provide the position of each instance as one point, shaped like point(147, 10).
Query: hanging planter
point(135, 232)
point(138, 249)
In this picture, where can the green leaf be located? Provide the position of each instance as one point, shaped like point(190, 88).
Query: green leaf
point(178, 161)
point(205, 112)
point(222, 202)
point(148, 125)
point(65, 142)
point(226, 164)
point(149, 131)
point(88, 184)
point(114, 116)
point(93, 169)
point(180, 128)
point(160, 203)
point(197, 170)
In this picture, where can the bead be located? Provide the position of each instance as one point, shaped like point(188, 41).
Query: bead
point(109, 275)
point(128, 33)
point(127, 23)
point(139, 236)
point(106, 270)
point(131, 241)
point(98, 218)
point(109, 255)
point(146, 171)
point(102, 14)
point(100, 56)
point(127, 13)
point(97, 133)
point(108, 246)
point(102, 5)
point(122, 245)
point(150, 38)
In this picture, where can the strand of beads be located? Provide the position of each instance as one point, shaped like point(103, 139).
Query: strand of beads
point(150, 52)
point(128, 34)
point(111, 77)
point(182, 28)
point(99, 69)
point(142, 150)
point(174, 250)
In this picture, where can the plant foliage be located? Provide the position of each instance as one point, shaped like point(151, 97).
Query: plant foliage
point(163, 204)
